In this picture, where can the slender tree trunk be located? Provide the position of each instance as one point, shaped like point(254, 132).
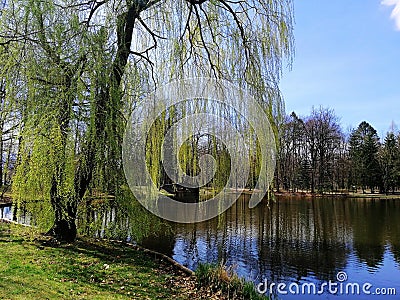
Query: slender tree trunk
point(7, 163)
point(1, 155)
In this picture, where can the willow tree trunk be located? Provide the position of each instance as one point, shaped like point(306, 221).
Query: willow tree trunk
point(65, 209)
point(64, 227)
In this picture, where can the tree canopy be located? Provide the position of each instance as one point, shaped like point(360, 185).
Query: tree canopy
point(83, 65)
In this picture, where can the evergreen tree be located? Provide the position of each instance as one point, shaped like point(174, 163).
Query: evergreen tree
point(364, 147)
point(389, 156)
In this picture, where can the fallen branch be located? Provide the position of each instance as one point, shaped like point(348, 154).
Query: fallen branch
point(157, 254)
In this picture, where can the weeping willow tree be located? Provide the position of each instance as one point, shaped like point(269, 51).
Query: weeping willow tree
point(200, 139)
point(86, 62)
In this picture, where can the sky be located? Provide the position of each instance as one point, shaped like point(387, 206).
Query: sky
point(347, 59)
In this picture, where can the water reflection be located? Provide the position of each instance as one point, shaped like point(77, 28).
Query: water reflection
point(296, 240)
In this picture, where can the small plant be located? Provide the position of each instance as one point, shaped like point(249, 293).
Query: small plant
point(218, 277)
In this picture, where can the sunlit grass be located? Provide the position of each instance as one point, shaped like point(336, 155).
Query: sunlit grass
point(31, 268)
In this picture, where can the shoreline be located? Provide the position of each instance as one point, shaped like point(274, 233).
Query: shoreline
point(287, 194)
point(343, 195)
point(42, 267)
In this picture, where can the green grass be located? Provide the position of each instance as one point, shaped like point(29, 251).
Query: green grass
point(31, 267)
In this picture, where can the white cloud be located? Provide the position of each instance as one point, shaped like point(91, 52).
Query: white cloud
point(396, 10)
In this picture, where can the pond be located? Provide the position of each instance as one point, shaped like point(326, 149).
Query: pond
point(7, 212)
point(296, 241)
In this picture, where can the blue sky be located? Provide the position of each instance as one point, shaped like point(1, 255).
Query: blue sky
point(348, 59)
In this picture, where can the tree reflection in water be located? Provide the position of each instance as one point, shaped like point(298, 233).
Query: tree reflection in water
point(294, 239)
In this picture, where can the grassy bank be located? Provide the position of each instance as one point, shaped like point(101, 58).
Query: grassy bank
point(33, 266)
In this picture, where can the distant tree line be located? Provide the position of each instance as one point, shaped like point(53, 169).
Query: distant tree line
point(315, 155)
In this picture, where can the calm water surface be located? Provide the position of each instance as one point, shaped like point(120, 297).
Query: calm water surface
point(297, 241)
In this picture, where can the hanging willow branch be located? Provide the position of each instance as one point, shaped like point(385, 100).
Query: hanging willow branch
point(79, 59)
